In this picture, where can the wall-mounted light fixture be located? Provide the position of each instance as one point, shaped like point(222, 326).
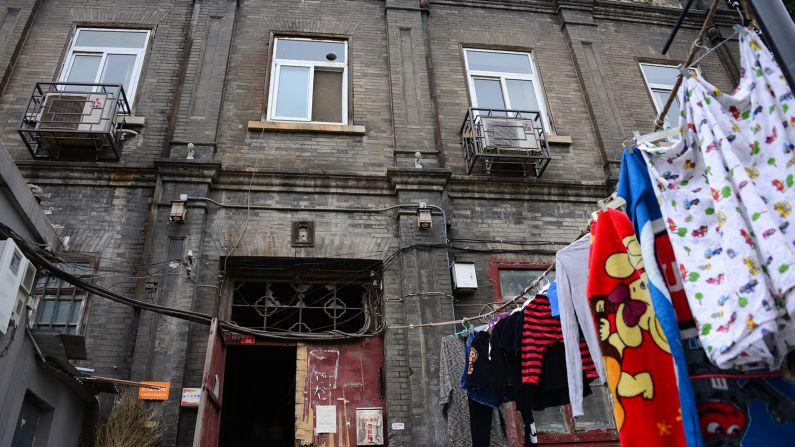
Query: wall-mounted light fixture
point(179, 209)
point(424, 219)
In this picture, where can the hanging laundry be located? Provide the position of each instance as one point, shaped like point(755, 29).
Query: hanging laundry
point(541, 331)
point(635, 187)
point(638, 363)
point(725, 190)
point(552, 294)
point(454, 400)
point(506, 382)
point(571, 268)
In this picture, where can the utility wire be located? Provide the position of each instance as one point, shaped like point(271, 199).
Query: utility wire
point(43, 259)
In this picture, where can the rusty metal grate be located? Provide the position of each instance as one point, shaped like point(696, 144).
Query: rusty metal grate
point(304, 306)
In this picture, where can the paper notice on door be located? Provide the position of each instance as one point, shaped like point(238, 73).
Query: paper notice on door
point(325, 419)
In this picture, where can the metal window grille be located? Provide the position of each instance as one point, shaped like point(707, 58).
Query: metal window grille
point(305, 306)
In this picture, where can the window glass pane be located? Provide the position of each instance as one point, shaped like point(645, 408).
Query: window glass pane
point(522, 95)
point(310, 50)
point(84, 69)
point(549, 420)
point(78, 306)
point(501, 62)
point(62, 314)
point(291, 93)
point(488, 93)
point(327, 96)
point(672, 117)
point(513, 281)
point(47, 309)
point(597, 410)
point(111, 39)
point(118, 70)
point(656, 74)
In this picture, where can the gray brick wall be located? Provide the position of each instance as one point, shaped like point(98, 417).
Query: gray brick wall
point(205, 77)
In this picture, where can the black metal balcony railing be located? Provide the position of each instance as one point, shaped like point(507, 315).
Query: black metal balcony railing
point(500, 141)
point(77, 120)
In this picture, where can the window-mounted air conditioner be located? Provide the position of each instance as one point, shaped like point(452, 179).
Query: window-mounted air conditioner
point(509, 134)
point(76, 112)
point(17, 278)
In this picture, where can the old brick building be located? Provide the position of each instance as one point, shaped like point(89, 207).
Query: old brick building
point(290, 129)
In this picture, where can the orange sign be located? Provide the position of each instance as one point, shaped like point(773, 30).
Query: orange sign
point(161, 393)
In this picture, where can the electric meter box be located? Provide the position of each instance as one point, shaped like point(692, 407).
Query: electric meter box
point(464, 277)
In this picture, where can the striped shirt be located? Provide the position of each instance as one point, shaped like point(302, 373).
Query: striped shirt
point(540, 331)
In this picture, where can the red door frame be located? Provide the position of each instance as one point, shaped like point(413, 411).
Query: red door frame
point(208, 421)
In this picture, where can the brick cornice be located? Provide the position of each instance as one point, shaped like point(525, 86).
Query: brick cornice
point(472, 188)
point(55, 172)
point(411, 179)
point(187, 171)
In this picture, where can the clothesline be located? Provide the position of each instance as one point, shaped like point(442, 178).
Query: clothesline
point(499, 308)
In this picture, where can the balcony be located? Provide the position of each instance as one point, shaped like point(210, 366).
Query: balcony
point(75, 121)
point(505, 142)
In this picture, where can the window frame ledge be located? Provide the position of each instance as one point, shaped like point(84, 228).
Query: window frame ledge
point(559, 139)
point(289, 126)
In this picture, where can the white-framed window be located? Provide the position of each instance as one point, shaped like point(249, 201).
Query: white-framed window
point(660, 80)
point(309, 81)
point(106, 56)
point(504, 80)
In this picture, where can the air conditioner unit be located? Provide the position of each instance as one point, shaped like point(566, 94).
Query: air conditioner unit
point(509, 134)
point(67, 114)
point(17, 277)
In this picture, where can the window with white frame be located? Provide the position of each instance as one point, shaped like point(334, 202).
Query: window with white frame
point(309, 81)
point(106, 56)
point(504, 80)
point(660, 80)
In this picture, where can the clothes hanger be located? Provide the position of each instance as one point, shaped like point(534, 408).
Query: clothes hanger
point(465, 330)
point(660, 135)
point(614, 202)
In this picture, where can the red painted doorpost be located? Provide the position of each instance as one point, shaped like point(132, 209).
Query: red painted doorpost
point(208, 422)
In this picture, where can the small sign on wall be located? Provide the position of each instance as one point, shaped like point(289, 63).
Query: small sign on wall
point(159, 393)
point(191, 397)
point(369, 426)
point(325, 419)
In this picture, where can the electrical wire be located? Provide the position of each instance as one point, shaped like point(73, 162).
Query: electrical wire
point(43, 259)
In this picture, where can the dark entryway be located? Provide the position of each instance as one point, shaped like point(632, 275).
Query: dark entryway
point(259, 397)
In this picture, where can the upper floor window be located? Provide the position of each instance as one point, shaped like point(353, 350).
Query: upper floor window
point(106, 56)
point(504, 80)
point(514, 280)
point(309, 81)
point(62, 306)
point(660, 80)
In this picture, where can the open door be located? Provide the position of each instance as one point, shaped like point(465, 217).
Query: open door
point(208, 422)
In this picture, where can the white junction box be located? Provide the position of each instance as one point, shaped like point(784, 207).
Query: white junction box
point(464, 277)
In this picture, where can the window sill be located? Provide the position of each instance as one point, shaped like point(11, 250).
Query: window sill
point(277, 126)
point(559, 139)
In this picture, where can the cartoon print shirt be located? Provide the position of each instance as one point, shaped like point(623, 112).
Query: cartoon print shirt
point(635, 352)
point(725, 190)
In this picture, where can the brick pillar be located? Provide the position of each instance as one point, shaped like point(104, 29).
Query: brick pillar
point(161, 347)
point(412, 355)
